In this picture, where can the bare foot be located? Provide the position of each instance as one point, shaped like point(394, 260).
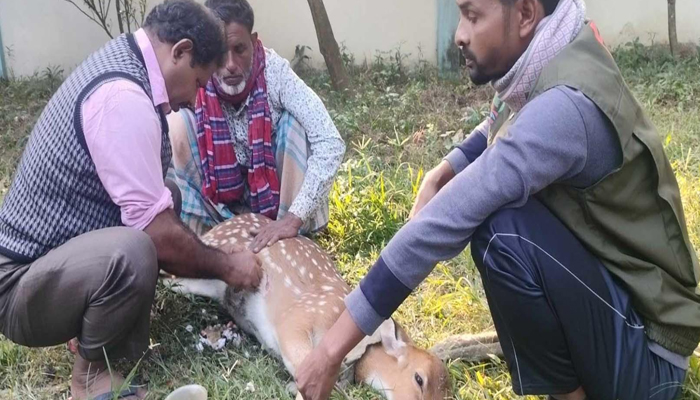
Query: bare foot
point(91, 379)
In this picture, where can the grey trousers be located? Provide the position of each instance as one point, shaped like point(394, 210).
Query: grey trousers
point(98, 287)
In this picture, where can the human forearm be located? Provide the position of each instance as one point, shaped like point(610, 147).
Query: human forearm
point(181, 253)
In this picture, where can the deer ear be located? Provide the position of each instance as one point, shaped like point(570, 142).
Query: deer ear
point(391, 341)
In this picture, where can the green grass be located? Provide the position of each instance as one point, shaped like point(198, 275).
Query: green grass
point(397, 124)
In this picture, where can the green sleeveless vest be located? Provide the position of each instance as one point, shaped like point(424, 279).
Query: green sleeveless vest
point(632, 219)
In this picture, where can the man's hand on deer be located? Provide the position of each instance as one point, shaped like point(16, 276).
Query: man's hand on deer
point(434, 180)
point(319, 372)
point(284, 228)
point(246, 271)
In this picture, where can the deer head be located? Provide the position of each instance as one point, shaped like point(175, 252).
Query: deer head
point(400, 370)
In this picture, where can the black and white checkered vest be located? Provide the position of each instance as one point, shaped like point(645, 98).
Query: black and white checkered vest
point(56, 193)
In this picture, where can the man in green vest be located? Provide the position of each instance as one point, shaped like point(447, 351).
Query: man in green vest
point(572, 211)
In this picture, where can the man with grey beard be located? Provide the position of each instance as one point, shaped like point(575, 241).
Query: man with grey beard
point(260, 140)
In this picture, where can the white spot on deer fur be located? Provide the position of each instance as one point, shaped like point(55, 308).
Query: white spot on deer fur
point(297, 291)
point(309, 302)
point(336, 310)
point(313, 310)
point(314, 261)
point(282, 245)
point(311, 275)
point(284, 251)
point(289, 258)
point(296, 252)
point(287, 281)
point(302, 270)
point(321, 303)
point(327, 288)
point(257, 225)
point(233, 240)
point(235, 231)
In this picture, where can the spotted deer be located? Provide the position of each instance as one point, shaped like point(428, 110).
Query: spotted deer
point(300, 296)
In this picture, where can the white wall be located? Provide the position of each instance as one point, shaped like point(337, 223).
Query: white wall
point(52, 32)
point(40, 33)
point(623, 20)
point(363, 26)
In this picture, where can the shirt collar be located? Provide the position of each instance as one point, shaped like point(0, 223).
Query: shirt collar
point(155, 75)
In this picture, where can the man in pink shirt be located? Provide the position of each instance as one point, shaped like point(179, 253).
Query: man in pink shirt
point(89, 220)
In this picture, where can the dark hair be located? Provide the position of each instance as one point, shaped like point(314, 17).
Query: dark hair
point(238, 11)
point(549, 5)
point(174, 20)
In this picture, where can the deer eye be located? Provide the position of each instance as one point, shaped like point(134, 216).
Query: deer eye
point(419, 380)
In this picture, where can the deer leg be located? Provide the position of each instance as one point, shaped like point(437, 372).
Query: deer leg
point(470, 348)
point(211, 288)
point(295, 345)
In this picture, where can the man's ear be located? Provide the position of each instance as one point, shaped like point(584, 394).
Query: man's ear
point(180, 49)
point(531, 13)
point(254, 37)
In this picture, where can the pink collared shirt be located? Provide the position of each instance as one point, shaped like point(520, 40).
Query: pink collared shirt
point(123, 135)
